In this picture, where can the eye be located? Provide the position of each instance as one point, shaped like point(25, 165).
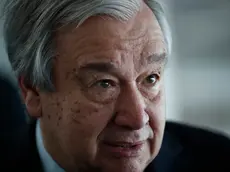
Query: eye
point(150, 86)
point(105, 83)
point(152, 79)
point(104, 90)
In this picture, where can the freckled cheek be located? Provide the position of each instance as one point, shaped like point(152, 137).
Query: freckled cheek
point(51, 109)
point(87, 118)
point(102, 97)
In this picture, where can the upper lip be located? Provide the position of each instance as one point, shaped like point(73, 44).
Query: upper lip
point(118, 143)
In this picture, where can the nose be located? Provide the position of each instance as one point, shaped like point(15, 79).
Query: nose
point(131, 109)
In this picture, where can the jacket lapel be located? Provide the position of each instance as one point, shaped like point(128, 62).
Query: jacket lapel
point(168, 155)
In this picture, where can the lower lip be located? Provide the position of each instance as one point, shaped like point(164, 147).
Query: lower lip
point(124, 152)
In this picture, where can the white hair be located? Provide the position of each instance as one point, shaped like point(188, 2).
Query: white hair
point(29, 27)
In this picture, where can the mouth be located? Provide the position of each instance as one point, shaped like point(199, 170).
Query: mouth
point(124, 149)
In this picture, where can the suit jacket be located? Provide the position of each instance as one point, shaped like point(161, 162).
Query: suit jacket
point(184, 148)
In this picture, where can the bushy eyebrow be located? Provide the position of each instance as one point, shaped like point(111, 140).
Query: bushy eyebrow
point(99, 67)
point(156, 58)
point(109, 67)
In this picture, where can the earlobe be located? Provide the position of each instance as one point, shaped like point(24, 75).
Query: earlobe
point(33, 104)
point(31, 99)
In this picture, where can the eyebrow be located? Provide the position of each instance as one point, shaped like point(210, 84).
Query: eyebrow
point(105, 67)
point(157, 58)
point(99, 67)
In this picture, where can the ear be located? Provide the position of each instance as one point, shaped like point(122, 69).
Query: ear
point(31, 98)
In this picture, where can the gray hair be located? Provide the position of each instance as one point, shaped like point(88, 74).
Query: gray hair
point(30, 24)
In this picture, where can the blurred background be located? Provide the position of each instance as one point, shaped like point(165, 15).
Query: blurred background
point(198, 73)
point(200, 64)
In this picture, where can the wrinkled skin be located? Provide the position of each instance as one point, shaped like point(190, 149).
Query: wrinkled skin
point(109, 87)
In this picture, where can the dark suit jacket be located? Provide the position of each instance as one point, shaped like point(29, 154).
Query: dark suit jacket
point(184, 148)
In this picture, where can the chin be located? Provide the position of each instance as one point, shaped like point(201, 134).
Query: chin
point(127, 166)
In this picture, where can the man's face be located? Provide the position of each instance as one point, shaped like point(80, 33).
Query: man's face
point(107, 112)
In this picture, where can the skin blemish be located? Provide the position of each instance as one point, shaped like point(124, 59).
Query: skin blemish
point(49, 117)
point(76, 111)
point(68, 75)
point(96, 110)
point(64, 99)
point(59, 119)
point(76, 118)
point(111, 98)
point(82, 89)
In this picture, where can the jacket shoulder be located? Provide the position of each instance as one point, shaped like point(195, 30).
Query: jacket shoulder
point(203, 149)
point(196, 136)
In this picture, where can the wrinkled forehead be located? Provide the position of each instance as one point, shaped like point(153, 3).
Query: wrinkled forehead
point(100, 35)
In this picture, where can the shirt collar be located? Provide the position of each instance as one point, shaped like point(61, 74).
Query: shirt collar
point(49, 165)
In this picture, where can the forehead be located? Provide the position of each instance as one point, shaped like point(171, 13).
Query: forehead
point(100, 35)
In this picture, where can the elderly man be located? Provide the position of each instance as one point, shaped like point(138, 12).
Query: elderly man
point(91, 74)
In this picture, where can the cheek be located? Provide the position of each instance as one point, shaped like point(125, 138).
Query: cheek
point(156, 111)
point(157, 99)
point(51, 109)
point(84, 116)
